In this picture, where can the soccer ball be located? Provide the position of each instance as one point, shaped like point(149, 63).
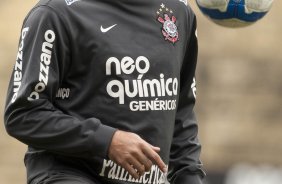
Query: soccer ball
point(234, 13)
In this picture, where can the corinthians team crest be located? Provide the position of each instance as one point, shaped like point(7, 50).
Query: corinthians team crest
point(169, 28)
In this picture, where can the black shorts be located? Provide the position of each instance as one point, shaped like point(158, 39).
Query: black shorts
point(47, 168)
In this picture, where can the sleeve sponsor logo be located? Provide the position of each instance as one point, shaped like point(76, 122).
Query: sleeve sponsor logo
point(63, 93)
point(45, 59)
point(113, 171)
point(160, 87)
point(193, 87)
point(18, 66)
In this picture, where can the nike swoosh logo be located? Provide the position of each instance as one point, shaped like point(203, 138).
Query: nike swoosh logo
point(104, 30)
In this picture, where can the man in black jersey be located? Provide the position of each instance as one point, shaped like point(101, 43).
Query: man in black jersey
point(103, 91)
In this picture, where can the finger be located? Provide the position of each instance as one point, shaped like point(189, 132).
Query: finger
point(157, 149)
point(138, 166)
point(130, 169)
point(147, 164)
point(155, 158)
point(144, 161)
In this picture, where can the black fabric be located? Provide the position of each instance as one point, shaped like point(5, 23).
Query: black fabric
point(48, 168)
point(86, 68)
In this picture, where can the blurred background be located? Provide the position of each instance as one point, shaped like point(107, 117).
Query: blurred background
point(239, 102)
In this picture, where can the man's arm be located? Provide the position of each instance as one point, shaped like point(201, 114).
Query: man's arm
point(184, 165)
point(30, 115)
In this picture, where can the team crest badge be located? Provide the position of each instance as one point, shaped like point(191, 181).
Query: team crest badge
point(168, 21)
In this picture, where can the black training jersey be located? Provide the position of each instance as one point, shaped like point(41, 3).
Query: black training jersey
point(86, 68)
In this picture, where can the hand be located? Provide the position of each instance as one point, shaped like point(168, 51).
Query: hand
point(134, 154)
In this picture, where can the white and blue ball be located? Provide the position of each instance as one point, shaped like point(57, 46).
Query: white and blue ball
point(234, 13)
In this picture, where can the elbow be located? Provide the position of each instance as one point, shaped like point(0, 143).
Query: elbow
point(15, 114)
point(11, 122)
point(9, 125)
